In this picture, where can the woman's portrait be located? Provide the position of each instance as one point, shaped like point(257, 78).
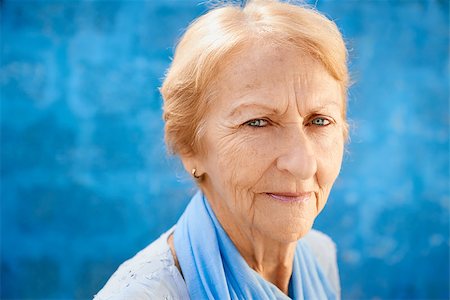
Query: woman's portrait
point(259, 149)
point(254, 105)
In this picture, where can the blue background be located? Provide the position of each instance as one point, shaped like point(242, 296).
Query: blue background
point(86, 182)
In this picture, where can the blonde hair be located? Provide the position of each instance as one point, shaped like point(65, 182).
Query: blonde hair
point(223, 32)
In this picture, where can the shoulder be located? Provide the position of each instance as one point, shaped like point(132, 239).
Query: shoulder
point(324, 250)
point(150, 274)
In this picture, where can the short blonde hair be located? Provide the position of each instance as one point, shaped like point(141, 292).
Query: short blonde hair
point(223, 32)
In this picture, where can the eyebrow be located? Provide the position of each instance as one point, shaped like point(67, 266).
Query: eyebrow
point(247, 106)
point(273, 110)
point(324, 106)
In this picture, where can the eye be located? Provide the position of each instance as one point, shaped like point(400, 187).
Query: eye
point(257, 123)
point(320, 121)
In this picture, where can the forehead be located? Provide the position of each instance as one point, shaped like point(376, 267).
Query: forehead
point(277, 73)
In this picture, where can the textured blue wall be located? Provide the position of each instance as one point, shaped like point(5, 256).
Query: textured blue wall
point(86, 183)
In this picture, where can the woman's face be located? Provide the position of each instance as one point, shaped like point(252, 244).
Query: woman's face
point(273, 140)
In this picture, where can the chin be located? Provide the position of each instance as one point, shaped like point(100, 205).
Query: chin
point(285, 223)
point(288, 232)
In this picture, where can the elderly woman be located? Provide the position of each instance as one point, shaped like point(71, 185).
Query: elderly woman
point(254, 105)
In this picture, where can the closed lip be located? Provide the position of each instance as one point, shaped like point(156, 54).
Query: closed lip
point(290, 197)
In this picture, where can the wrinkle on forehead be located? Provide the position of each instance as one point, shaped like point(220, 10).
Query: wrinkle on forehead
point(273, 74)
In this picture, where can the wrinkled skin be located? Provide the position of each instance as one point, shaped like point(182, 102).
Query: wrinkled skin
point(275, 130)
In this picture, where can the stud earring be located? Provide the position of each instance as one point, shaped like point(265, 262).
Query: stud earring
point(193, 173)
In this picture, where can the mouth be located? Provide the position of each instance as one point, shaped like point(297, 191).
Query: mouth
point(291, 197)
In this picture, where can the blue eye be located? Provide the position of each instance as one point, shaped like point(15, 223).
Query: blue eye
point(320, 122)
point(257, 123)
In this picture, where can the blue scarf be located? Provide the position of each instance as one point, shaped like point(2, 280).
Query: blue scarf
point(213, 268)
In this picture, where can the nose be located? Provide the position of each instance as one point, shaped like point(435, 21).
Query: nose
point(297, 154)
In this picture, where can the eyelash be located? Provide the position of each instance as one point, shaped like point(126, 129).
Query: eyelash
point(327, 121)
point(248, 123)
point(266, 122)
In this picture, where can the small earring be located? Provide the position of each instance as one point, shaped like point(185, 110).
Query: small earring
point(194, 170)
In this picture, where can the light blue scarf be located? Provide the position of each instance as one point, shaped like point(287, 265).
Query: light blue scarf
point(213, 268)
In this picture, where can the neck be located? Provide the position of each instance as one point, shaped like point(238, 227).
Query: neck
point(271, 259)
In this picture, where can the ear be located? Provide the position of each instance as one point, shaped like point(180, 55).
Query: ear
point(191, 162)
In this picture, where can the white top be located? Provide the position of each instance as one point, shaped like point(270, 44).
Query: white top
point(152, 274)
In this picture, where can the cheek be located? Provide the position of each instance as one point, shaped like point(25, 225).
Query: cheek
point(238, 161)
point(235, 167)
point(242, 159)
point(329, 160)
